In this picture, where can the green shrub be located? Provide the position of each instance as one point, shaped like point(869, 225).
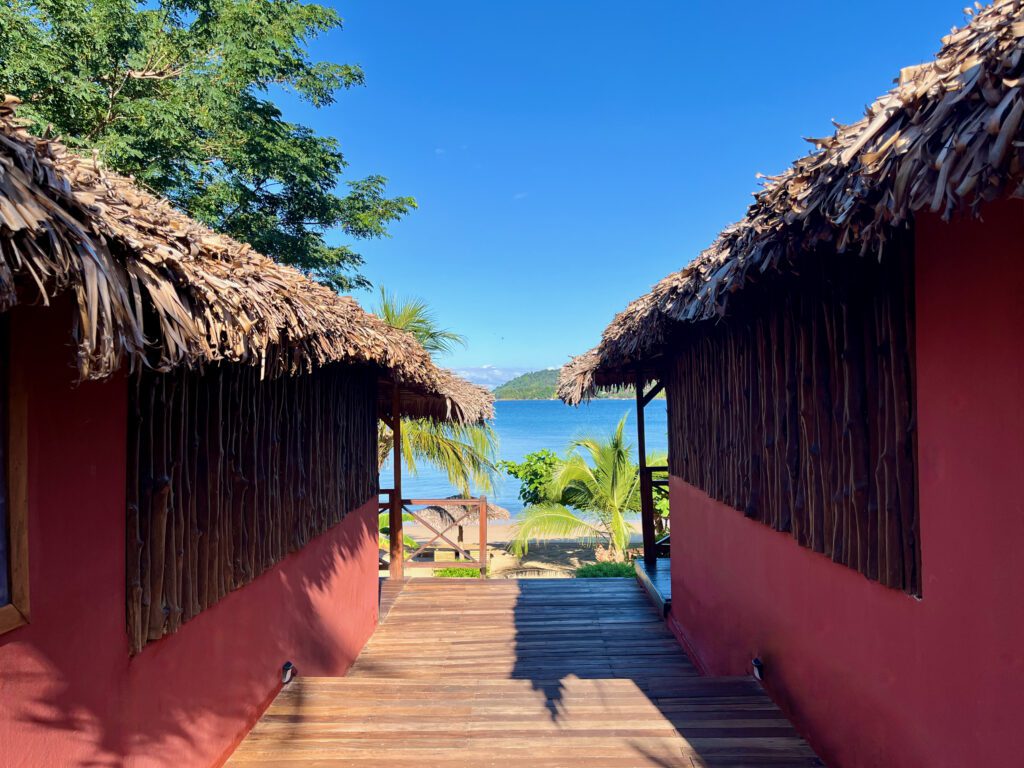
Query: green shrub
point(457, 573)
point(604, 570)
point(534, 474)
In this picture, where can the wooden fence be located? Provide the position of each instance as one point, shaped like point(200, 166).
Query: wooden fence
point(467, 512)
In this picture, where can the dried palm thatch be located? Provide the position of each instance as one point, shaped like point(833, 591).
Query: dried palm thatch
point(156, 289)
point(444, 516)
point(447, 514)
point(945, 140)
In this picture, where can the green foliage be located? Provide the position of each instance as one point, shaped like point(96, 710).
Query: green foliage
point(604, 570)
point(457, 573)
point(659, 492)
point(177, 94)
point(416, 317)
point(576, 506)
point(541, 385)
point(384, 531)
point(591, 494)
point(465, 452)
point(534, 473)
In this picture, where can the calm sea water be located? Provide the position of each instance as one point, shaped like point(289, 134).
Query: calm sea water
point(524, 426)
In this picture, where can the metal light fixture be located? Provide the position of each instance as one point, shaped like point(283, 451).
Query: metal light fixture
point(758, 666)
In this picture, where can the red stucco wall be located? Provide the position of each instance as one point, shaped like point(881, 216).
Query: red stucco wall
point(69, 692)
point(872, 676)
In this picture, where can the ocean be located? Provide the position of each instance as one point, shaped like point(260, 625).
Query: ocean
point(524, 426)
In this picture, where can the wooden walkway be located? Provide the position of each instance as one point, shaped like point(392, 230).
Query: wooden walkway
point(510, 674)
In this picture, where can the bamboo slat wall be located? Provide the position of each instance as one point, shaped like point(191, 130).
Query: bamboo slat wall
point(228, 474)
point(800, 412)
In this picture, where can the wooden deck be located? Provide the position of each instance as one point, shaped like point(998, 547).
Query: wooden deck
point(388, 591)
point(559, 672)
point(657, 580)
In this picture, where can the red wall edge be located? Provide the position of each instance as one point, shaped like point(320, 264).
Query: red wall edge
point(870, 675)
point(70, 694)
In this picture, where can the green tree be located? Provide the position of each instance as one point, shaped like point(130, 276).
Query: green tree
point(591, 496)
point(534, 474)
point(178, 94)
point(465, 452)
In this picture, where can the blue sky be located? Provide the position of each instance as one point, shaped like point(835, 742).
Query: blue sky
point(567, 155)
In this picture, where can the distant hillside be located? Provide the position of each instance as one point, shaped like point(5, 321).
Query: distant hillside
point(540, 385)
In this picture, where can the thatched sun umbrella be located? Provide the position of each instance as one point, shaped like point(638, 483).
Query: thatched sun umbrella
point(443, 515)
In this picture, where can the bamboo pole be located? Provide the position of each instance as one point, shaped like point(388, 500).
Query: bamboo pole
point(228, 474)
point(397, 569)
point(646, 498)
point(482, 557)
point(798, 410)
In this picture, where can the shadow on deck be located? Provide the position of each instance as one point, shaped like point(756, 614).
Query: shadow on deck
point(559, 672)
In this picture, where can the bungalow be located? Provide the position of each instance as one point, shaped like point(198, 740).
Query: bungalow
point(845, 383)
point(189, 490)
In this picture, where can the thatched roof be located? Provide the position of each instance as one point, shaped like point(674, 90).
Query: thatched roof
point(447, 514)
point(946, 139)
point(155, 288)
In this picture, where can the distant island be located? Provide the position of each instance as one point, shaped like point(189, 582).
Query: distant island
point(540, 385)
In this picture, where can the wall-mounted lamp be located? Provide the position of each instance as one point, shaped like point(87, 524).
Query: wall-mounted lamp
point(288, 673)
point(758, 666)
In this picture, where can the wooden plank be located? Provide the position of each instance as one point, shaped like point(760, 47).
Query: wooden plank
point(553, 672)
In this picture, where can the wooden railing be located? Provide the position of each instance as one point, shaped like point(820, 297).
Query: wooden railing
point(648, 482)
point(647, 479)
point(470, 511)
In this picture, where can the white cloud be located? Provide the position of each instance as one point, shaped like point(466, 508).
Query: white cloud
point(520, 195)
point(439, 150)
point(490, 376)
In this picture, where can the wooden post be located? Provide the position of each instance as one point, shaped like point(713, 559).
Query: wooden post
point(646, 496)
point(397, 569)
point(482, 557)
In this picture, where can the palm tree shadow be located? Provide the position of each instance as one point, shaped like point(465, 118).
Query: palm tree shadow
point(597, 648)
point(556, 641)
point(217, 692)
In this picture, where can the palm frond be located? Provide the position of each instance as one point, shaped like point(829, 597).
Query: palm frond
point(466, 453)
point(416, 317)
point(408, 542)
point(384, 520)
point(550, 521)
point(384, 531)
point(602, 449)
point(385, 444)
point(577, 485)
point(597, 479)
point(621, 532)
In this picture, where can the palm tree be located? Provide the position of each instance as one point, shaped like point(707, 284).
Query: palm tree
point(384, 531)
point(465, 452)
point(590, 496)
point(415, 316)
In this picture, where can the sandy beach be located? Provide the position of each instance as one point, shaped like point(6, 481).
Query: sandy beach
point(548, 558)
